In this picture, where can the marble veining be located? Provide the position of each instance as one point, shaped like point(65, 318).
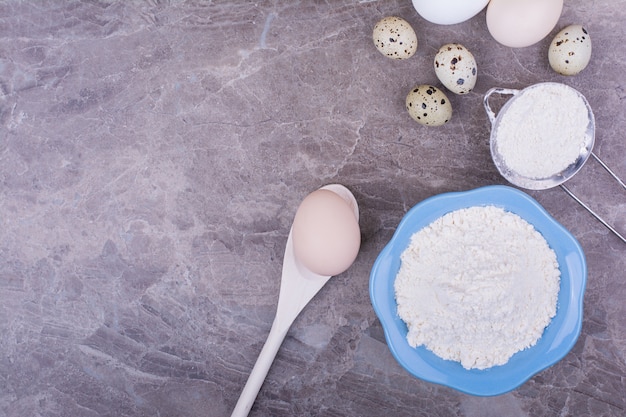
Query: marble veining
point(152, 157)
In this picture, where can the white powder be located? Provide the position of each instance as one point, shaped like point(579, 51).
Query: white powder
point(476, 286)
point(543, 130)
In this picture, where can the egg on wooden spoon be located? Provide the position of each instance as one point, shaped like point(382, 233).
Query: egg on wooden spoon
point(323, 241)
point(326, 234)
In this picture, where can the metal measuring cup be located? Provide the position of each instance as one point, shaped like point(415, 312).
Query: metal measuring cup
point(559, 178)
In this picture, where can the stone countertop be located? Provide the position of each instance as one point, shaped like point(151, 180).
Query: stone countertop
point(153, 155)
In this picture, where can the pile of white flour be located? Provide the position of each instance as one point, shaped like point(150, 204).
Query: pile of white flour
point(543, 131)
point(476, 286)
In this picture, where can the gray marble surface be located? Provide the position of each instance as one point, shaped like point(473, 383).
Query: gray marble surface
point(152, 157)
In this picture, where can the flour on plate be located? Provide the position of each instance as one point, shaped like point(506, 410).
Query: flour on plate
point(543, 130)
point(476, 286)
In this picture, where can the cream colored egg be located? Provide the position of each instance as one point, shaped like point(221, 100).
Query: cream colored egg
point(570, 50)
point(448, 12)
point(325, 232)
point(395, 38)
point(428, 105)
point(456, 68)
point(521, 23)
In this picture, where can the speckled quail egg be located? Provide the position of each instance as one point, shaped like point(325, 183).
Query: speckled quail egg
point(395, 38)
point(570, 50)
point(428, 105)
point(455, 67)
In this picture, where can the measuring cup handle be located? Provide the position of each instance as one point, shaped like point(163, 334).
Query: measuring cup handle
point(496, 90)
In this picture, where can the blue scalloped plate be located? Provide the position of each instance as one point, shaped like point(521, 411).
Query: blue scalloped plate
point(558, 338)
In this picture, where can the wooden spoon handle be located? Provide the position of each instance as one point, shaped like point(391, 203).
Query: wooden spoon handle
point(261, 368)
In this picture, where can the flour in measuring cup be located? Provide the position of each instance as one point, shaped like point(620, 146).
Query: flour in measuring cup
point(476, 286)
point(543, 130)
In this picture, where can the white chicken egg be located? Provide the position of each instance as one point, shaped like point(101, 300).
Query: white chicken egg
point(428, 105)
point(455, 67)
point(395, 38)
point(521, 23)
point(448, 12)
point(570, 50)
